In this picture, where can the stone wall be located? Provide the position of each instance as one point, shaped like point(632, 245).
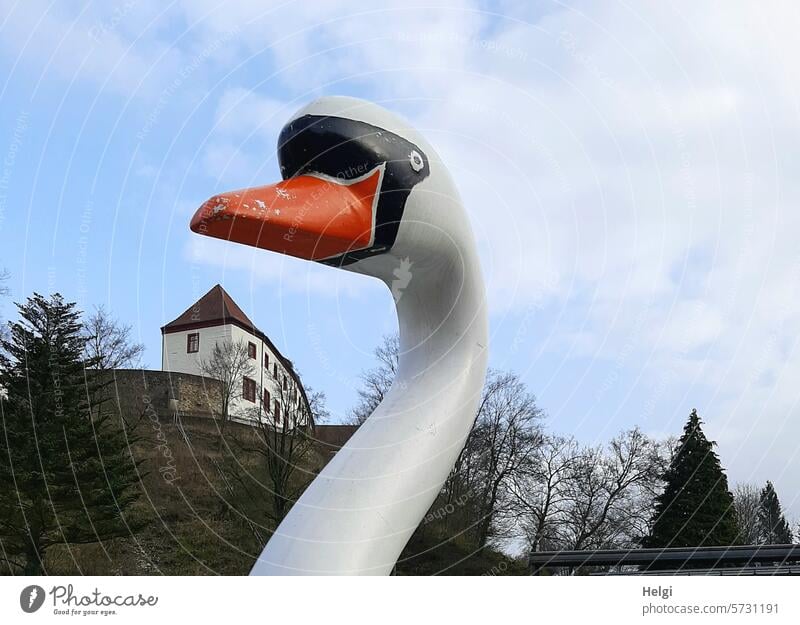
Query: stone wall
point(169, 394)
point(138, 392)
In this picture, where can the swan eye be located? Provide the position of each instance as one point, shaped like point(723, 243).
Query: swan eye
point(416, 160)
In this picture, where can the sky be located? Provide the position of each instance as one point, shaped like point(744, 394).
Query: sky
point(630, 170)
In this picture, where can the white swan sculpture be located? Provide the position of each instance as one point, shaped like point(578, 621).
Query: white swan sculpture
point(364, 192)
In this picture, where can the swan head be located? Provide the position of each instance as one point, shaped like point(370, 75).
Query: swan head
point(361, 190)
point(364, 192)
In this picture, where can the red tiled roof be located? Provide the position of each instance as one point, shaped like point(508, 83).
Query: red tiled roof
point(216, 306)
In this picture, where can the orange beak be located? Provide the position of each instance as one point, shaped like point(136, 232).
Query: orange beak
point(306, 216)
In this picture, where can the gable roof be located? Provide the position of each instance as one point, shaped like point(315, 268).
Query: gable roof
point(215, 307)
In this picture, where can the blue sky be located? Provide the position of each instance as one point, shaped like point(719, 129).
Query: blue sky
point(631, 174)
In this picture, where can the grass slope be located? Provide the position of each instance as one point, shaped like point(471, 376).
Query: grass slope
point(200, 522)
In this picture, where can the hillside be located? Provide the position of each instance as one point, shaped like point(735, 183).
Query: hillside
point(199, 515)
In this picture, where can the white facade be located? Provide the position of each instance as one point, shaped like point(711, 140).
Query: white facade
point(270, 374)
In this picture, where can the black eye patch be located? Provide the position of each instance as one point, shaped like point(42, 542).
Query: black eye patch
point(348, 149)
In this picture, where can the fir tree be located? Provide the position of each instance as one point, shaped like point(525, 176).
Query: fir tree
point(696, 507)
point(67, 474)
point(773, 529)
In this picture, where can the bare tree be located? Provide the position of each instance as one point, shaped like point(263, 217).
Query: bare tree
point(108, 342)
point(511, 478)
point(610, 493)
point(539, 490)
point(283, 439)
point(377, 381)
point(506, 433)
point(229, 363)
point(746, 502)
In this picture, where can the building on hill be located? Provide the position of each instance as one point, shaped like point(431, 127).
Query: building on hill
point(271, 391)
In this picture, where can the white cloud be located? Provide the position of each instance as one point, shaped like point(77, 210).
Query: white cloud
point(634, 165)
point(241, 112)
point(640, 166)
point(316, 44)
point(290, 274)
point(241, 148)
point(112, 45)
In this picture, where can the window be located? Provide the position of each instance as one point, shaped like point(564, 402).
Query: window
point(249, 389)
point(266, 400)
point(266, 360)
point(275, 370)
point(277, 412)
point(192, 342)
point(285, 382)
point(251, 350)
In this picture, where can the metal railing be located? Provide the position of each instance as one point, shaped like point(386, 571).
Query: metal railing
point(773, 559)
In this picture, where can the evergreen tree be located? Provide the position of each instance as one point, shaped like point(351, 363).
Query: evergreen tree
point(67, 475)
point(773, 529)
point(696, 507)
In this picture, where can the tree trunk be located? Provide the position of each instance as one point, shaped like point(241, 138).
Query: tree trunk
point(486, 523)
point(224, 416)
point(281, 508)
point(34, 555)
